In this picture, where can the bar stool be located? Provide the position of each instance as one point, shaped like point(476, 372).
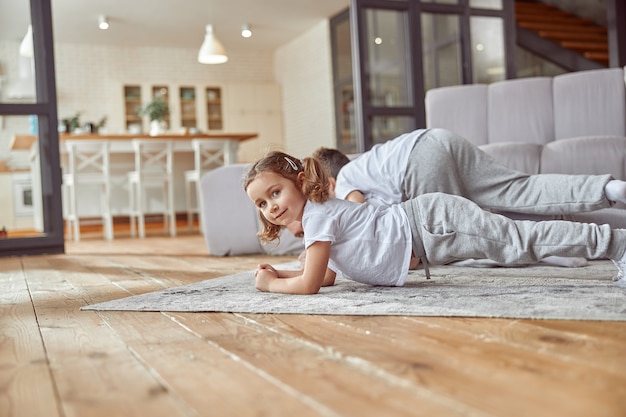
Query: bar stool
point(87, 163)
point(154, 168)
point(208, 154)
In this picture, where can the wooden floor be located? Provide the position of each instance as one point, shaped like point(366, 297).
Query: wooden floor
point(56, 360)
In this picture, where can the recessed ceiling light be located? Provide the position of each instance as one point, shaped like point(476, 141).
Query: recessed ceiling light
point(103, 22)
point(245, 31)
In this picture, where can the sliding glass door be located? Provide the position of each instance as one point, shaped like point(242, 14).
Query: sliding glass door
point(31, 218)
point(402, 48)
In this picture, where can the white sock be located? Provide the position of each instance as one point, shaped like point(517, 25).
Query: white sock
point(615, 190)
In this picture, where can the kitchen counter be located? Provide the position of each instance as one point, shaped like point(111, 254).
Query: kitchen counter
point(24, 142)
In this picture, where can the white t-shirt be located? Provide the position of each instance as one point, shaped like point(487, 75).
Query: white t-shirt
point(379, 172)
point(369, 244)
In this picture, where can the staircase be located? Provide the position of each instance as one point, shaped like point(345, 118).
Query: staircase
point(570, 41)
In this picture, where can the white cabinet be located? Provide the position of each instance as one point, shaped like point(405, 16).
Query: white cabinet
point(254, 107)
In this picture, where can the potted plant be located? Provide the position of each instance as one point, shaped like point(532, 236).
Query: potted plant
point(156, 110)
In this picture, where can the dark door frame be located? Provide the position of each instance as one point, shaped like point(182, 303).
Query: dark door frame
point(51, 240)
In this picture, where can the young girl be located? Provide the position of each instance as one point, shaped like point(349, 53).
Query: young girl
point(373, 244)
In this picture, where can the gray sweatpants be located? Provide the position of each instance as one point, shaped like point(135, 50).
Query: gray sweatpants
point(448, 228)
point(442, 161)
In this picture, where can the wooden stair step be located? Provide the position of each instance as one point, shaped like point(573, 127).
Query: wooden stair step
point(537, 26)
point(585, 46)
point(597, 56)
point(533, 14)
point(571, 35)
point(548, 18)
point(531, 5)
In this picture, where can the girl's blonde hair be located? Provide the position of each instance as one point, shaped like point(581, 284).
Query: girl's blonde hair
point(314, 184)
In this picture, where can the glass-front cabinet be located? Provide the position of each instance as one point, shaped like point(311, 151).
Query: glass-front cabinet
point(215, 119)
point(132, 104)
point(188, 108)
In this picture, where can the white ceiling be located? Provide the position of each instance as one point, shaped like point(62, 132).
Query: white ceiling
point(174, 23)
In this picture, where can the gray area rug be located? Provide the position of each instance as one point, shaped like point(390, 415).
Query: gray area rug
point(537, 292)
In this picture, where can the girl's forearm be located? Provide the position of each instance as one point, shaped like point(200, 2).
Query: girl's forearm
point(288, 273)
point(294, 285)
point(310, 279)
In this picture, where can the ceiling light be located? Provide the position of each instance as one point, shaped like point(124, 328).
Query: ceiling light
point(26, 47)
point(245, 31)
point(103, 22)
point(211, 51)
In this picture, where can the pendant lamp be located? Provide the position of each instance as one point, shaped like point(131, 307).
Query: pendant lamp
point(26, 47)
point(211, 51)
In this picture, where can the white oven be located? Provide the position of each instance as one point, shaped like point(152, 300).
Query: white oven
point(23, 195)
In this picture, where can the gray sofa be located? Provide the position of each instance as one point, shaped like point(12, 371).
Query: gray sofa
point(573, 123)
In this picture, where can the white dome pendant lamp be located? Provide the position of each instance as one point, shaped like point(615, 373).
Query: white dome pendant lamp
point(212, 51)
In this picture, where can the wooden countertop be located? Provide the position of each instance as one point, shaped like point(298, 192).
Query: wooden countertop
point(24, 142)
point(127, 136)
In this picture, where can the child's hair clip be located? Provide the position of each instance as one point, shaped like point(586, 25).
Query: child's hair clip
point(293, 164)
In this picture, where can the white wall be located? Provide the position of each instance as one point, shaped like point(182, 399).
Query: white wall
point(303, 68)
point(90, 78)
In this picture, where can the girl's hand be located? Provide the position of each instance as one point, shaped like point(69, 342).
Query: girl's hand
point(264, 278)
point(267, 267)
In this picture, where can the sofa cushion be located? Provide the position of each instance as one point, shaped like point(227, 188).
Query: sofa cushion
point(524, 157)
point(521, 111)
point(461, 109)
point(613, 216)
point(589, 103)
point(594, 155)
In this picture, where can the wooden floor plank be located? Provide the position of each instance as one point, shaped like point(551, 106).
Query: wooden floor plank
point(547, 336)
point(94, 371)
point(26, 388)
point(319, 373)
point(453, 365)
point(186, 362)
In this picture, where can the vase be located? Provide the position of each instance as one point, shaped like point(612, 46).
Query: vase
point(158, 127)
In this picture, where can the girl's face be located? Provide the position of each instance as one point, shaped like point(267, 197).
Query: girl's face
point(278, 198)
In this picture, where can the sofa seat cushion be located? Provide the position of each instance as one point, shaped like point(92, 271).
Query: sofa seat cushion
point(613, 216)
point(593, 155)
point(524, 157)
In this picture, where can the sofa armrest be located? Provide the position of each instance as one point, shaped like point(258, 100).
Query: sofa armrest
point(228, 217)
